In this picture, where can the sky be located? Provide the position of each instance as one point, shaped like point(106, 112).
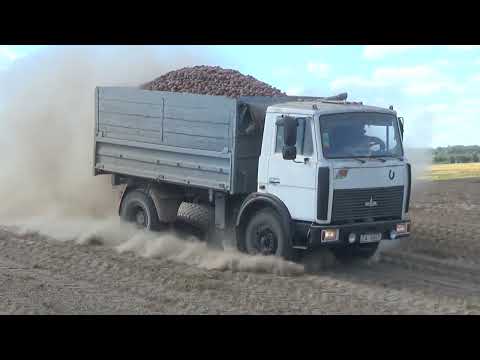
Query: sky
point(435, 88)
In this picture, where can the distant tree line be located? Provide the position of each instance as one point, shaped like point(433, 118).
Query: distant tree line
point(456, 154)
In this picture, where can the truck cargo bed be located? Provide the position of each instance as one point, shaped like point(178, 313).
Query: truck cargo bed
point(196, 140)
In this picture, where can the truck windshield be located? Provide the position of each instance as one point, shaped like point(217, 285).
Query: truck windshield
point(350, 135)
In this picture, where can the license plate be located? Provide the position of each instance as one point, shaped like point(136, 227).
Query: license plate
point(367, 238)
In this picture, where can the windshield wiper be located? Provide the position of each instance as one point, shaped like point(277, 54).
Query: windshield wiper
point(377, 158)
point(393, 157)
point(358, 159)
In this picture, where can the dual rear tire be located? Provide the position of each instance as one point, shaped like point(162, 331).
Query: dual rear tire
point(138, 208)
point(195, 219)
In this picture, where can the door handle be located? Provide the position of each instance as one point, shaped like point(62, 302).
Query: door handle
point(274, 180)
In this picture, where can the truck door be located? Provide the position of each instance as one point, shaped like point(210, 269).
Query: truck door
point(294, 181)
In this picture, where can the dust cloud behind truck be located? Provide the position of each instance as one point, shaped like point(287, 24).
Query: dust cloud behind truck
point(276, 175)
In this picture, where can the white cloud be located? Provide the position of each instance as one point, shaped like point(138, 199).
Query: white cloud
point(7, 53)
point(319, 69)
point(476, 77)
point(414, 80)
point(295, 91)
point(383, 77)
point(453, 128)
point(462, 47)
point(444, 124)
point(379, 51)
point(431, 86)
point(475, 102)
point(353, 81)
point(374, 52)
point(389, 74)
point(436, 107)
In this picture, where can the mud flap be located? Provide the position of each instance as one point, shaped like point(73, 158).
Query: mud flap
point(214, 235)
point(167, 202)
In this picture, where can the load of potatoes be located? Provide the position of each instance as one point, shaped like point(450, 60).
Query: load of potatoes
point(212, 80)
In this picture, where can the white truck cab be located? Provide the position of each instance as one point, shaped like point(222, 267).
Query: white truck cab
point(348, 179)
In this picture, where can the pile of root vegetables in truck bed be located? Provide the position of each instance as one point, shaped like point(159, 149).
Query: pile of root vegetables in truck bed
point(212, 80)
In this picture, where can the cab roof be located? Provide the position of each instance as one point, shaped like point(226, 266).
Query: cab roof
point(325, 107)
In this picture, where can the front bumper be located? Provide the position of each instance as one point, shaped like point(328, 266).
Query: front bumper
point(314, 234)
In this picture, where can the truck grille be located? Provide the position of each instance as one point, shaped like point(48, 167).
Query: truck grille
point(353, 204)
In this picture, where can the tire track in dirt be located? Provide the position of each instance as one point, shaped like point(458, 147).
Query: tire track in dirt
point(30, 291)
point(160, 286)
point(445, 220)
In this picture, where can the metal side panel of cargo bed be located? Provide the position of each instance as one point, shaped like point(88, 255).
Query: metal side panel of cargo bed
point(174, 137)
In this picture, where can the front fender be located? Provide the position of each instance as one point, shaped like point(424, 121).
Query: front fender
point(120, 200)
point(267, 200)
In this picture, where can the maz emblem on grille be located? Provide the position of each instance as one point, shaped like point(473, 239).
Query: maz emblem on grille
point(371, 203)
point(391, 174)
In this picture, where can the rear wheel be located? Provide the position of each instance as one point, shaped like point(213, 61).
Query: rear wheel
point(139, 209)
point(265, 235)
point(355, 252)
point(198, 220)
point(194, 218)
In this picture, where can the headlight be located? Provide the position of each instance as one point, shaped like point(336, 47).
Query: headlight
point(329, 235)
point(402, 228)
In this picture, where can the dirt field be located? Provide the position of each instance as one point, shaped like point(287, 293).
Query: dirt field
point(41, 275)
point(446, 220)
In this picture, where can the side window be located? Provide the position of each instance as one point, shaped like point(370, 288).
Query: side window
point(392, 140)
point(307, 139)
point(304, 138)
point(279, 140)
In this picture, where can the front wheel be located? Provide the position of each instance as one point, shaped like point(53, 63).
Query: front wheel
point(265, 235)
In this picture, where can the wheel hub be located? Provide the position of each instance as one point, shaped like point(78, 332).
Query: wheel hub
point(140, 218)
point(266, 241)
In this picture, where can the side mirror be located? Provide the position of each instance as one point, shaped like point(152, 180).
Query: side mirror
point(290, 125)
point(401, 125)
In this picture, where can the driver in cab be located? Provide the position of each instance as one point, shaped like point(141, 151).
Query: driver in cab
point(352, 140)
point(357, 142)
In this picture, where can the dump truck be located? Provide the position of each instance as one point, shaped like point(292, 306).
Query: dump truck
point(277, 175)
